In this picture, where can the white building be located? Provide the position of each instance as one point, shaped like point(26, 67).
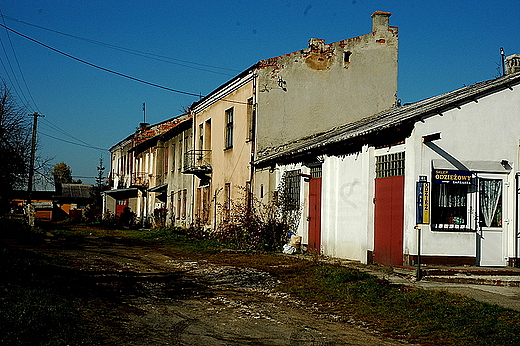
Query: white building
point(359, 182)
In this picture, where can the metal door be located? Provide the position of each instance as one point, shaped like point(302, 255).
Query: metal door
point(389, 220)
point(315, 214)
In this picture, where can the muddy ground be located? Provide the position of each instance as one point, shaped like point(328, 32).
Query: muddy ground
point(148, 296)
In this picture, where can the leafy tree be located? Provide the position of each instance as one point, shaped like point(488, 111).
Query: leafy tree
point(62, 174)
point(15, 147)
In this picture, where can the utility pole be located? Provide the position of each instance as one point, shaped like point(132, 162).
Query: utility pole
point(33, 153)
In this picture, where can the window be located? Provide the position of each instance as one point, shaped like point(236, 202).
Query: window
point(229, 129)
point(184, 203)
point(450, 206)
point(390, 165)
point(174, 157)
point(227, 199)
point(166, 153)
point(201, 137)
point(453, 201)
point(490, 202)
point(250, 120)
point(346, 56)
point(291, 193)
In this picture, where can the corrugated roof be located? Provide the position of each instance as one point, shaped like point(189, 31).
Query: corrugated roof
point(76, 190)
point(390, 118)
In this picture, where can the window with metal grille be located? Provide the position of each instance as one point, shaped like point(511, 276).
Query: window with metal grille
point(316, 171)
point(390, 165)
point(292, 189)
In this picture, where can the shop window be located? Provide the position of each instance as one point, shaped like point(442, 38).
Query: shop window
point(450, 207)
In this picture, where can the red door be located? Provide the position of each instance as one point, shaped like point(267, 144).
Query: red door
point(315, 214)
point(121, 204)
point(389, 220)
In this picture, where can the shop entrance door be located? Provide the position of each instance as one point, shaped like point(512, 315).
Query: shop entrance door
point(490, 234)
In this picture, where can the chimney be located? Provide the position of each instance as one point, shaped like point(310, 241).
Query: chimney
point(142, 126)
point(513, 64)
point(380, 21)
point(317, 44)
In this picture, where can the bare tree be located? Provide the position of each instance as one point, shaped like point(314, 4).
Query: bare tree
point(15, 147)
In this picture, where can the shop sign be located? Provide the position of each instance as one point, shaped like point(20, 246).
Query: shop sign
point(441, 176)
point(423, 202)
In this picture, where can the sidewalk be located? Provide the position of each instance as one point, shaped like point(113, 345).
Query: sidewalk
point(500, 286)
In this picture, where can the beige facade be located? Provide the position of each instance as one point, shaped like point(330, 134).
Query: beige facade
point(146, 174)
point(223, 142)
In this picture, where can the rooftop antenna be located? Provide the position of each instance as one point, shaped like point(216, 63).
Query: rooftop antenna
point(503, 59)
point(144, 112)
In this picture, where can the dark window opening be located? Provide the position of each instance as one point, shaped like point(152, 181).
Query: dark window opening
point(346, 56)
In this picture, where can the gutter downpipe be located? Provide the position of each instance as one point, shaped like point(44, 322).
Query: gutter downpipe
point(516, 264)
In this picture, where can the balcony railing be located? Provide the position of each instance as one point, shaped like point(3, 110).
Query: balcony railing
point(197, 162)
point(141, 179)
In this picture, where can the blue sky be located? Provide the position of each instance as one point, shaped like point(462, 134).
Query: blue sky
point(199, 45)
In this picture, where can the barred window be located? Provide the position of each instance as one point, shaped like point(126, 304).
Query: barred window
point(390, 165)
point(292, 189)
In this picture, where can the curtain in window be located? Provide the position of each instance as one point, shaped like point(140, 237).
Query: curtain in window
point(490, 191)
point(450, 196)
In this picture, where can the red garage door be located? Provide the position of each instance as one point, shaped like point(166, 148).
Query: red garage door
point(388, 220)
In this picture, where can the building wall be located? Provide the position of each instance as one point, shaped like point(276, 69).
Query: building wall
point(179, 185)
point(479, 134)
point(347, 208)
point(229, 165)
point(314, 90)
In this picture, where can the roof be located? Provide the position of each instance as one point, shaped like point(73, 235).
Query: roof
point(76, 191)
point(162, 131)
point(387, 119)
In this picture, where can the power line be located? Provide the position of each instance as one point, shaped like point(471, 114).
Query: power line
point(19, 69)
point(57, 128)
point(100, 67)
point(132, 51)
point(70, 142)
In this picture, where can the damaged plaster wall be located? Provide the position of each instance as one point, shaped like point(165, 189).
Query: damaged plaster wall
point(326, 85)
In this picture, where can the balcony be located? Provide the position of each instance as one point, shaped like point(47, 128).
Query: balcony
point(140, 179)
point(197, 162)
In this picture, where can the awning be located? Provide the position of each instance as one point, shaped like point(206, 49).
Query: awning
point(159, 188)
point(122, 193)
point(474, 166)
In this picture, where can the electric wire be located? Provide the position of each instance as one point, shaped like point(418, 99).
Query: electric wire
point(57, 128)
point(20, 69)
point(100, 67)
point(132, 51)
point(74, 143)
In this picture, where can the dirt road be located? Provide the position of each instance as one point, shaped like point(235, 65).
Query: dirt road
point(153, 298)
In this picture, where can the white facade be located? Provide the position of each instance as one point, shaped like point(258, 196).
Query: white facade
point(470, 133)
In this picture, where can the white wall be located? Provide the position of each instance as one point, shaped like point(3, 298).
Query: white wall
point(479, 134)
point(347, 208)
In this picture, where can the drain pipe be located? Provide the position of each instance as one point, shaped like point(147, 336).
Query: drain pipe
point(517, 186)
